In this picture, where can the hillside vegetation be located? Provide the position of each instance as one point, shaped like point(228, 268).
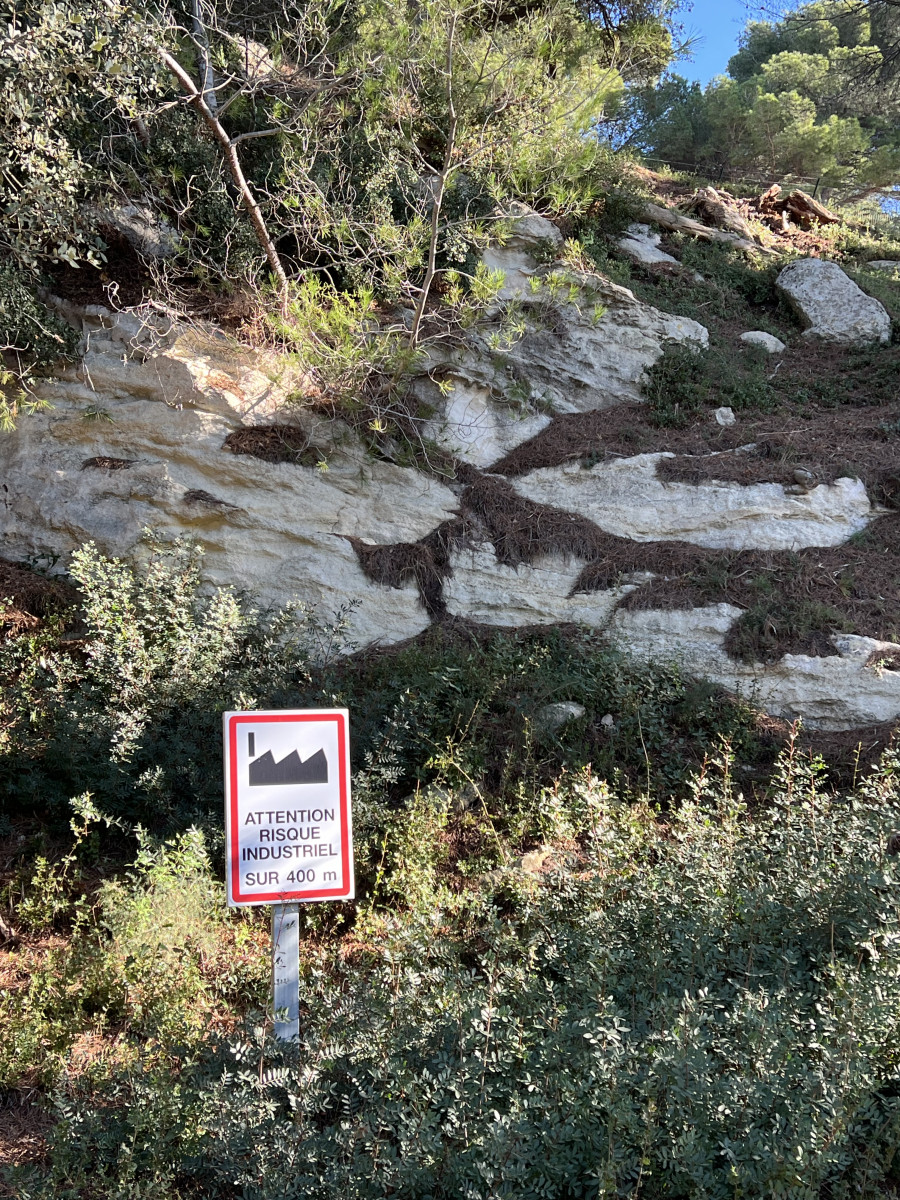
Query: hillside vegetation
point(813, 95)
point(617, 932)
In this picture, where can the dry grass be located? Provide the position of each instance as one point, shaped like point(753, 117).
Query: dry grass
point(792, 600)
point(425, 563)
point(102, 463)
point(32, 597)
point(199, 496)
point(521, 530)
point(830, 444)
point(23, 1134)
point(275, 443)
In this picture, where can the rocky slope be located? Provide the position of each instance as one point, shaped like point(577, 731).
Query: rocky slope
point(547, 517)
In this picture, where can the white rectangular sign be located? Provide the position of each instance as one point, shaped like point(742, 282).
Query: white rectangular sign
point(287, 806)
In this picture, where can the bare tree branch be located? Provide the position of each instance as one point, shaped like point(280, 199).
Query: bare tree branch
point(195, 98)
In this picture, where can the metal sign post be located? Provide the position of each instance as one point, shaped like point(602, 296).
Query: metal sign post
point(286, 970)
point(288, 827)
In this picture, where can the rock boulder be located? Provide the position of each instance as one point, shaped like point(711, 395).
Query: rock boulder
point(831, 306)
point(642, 246)
point(756, 337)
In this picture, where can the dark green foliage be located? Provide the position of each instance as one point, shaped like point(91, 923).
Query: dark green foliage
point(695, 1012)
point(37, 337)
point(811, 95)
point(135, 716)
point(694, 1004)
point(183, 171)
point(685, 381)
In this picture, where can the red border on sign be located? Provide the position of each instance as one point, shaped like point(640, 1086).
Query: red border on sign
point(251, 718)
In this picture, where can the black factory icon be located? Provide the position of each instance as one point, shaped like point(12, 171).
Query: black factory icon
point(292, 769)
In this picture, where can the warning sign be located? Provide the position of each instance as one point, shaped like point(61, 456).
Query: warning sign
point(287, 806)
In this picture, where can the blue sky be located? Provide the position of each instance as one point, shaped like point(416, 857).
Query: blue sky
point(716, 26)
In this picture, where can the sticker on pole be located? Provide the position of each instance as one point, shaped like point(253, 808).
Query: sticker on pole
point(287, 806)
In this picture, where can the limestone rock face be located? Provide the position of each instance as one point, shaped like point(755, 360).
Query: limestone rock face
point(136, 439)
point(831, 306)
point(586, 345)
point(842, 691)
point(483, 589)
point(152, 456)
point(146, 230)
point(756, 337)
point(475, 426)
point(576, 355)
point(142, 354)
point(532, 237)
point(579, 357)
point(626, 498)
point(642, 245)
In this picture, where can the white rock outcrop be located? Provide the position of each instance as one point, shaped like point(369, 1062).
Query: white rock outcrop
point(477, 427)
point(831, 306)
point(278, 530)
point(483, 589)
point(841, 691)
point(594, 353)
point(527, 238)
point(882, 264)
point(756, 337)
point(143, 354)
point(625, 497)
point(136, 439)
point(586, 344)
point(576, 355)
point(641, 245)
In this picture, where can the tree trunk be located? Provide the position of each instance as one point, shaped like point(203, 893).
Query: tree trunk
point(234, 166)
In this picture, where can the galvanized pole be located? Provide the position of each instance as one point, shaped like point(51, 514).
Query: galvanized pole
point(286, 970)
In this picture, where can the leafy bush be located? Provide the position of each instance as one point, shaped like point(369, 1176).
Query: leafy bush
point(154, 951)
point(685, 380)
point(133, 713)
point(37, 336)
point(136, 714)
point(705, 1008)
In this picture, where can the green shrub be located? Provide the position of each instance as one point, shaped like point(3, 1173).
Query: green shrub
point(685, 380)
point(136, 713)
point(38, 337)
point(152, 952)
point(702, 1009)
point(133, 715)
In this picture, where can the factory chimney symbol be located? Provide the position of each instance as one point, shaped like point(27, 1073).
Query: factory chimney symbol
point(265, 771)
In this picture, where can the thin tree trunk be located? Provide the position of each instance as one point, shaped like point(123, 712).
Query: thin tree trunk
point(207, 77)
point(229, 150)
point(438, 199)
point(437, 203)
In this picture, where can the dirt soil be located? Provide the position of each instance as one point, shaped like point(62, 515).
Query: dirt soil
point(32, 597)
point(23, 1134)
